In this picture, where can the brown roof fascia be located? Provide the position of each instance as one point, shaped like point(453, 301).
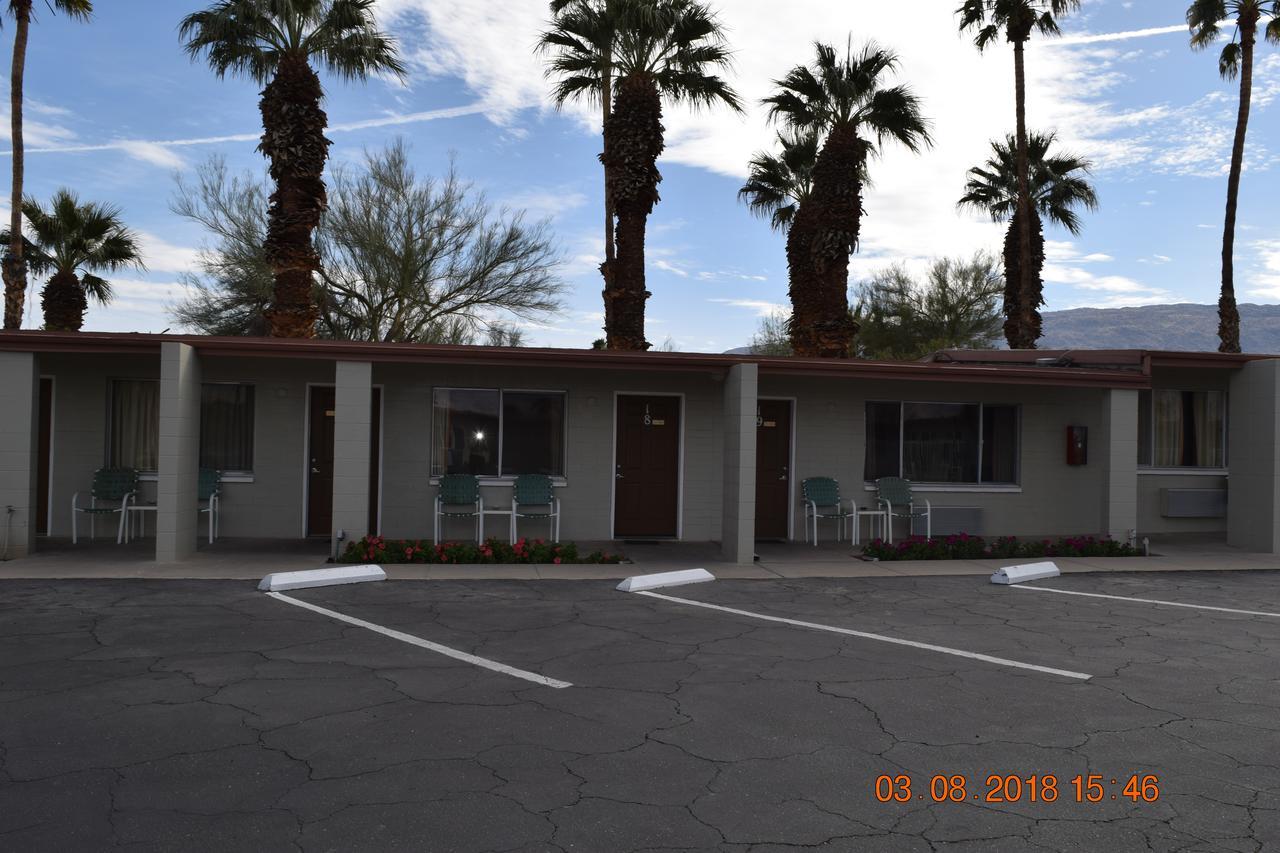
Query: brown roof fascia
point(258, 347)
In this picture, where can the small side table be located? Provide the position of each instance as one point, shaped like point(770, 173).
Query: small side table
point(152, 508)
point(878, 517)
point(508, 511)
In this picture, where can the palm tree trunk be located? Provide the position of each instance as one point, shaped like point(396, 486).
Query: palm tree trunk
point(64, 303)
point(1019, 333)
point(1027, 299)
point(293, 140)
point(633, 141)
point(14, 268)
point(825, 231)
point(607, 267)
point(1228, 313)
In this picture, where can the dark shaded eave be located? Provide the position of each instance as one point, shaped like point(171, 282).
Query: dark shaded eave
point(1004, 371)
point(1113, 359)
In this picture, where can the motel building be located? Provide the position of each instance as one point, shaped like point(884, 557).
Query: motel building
point(312, 438)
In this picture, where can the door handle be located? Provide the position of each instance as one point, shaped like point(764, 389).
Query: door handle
point(618, 473)
point(784, 473)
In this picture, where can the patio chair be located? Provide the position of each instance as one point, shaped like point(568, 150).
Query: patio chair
point(209, 494)
point(822, 500)
point(459, 497)
point(113, 487)
point(533, 496)
point(894, 496)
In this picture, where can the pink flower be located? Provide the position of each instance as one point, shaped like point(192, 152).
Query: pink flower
point(556, 561)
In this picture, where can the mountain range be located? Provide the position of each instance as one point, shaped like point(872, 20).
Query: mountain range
point(1184, 326)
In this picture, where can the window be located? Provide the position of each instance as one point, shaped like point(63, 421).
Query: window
point(226, 426)
point(942, 442)
point(134, 429)
point(1182, 429)
point(490, 433)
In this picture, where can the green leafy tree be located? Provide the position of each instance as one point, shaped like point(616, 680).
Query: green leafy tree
point(403, 258)
point(74, 241)
point(846, 102)
point(273, 42)
point(657, 50)
point(14, 268)
point(957, 306)
point(1059, 185)
point(1017, 20)
point(772, 339)
point(1205, 18)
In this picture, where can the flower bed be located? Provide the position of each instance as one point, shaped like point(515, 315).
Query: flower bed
point(377, 549)
point(962, 546)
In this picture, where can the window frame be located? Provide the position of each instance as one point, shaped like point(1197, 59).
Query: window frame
point(499, 478)
point(978, 485)
point(1149, 467)
point(151, 476)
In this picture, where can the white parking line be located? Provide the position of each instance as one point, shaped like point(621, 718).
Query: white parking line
point(1066, 673)
point(1150, 601)
point(426, 644)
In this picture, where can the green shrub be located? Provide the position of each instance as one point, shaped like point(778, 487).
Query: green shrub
point(962, 546)
point(377, 549)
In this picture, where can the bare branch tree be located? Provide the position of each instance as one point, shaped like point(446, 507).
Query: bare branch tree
point(402, 258)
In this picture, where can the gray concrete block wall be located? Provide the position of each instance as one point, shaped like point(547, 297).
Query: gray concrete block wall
point(179, 452)
point(738, 514)
point(1253, 432)
point(586, 500)
point(19, 421)
point(351, 447)
point(1054, 498)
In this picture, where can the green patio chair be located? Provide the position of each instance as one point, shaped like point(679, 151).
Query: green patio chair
point(459, 497)
point(822, 500)
point(114, 488)
point(533, 496)
point(894, 496)
point(209, 497)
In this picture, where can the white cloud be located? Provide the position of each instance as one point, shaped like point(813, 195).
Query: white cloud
point(160, 255)
point(1264, 274)
point(761, 307)
point(153, 153)
point(670, 267)
point(541, 203)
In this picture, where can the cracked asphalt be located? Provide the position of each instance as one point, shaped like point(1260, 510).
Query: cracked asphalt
point(203, 715)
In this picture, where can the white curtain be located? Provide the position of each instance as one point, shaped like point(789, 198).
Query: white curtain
point(135, 424)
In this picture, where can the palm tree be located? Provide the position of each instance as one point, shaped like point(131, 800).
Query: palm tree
point(777, 184)
point(846, 102)
point(14, 269)
point(1059, 184)
point(1017, 20)
point(1204, 17)
point(273, 42)
point(73, 241)
point(583, 46)
point(658, 49)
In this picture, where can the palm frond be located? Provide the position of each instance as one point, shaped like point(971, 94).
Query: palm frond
point(1059, 183)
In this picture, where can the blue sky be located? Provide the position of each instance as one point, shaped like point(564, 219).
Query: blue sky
point(116, 110)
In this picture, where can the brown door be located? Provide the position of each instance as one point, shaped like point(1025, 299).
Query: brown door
point(44, 456)
point(320, 448)
point(647, 475)
point(773, 473)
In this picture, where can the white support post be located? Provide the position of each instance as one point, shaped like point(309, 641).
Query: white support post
point(738, 526)
point(177, 486)
point(19, 423)
point(1118, 449)
point(352, 435)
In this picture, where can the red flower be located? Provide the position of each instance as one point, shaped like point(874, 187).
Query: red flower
point(556, 561)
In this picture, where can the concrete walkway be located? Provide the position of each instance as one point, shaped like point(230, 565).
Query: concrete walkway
point(251, 559)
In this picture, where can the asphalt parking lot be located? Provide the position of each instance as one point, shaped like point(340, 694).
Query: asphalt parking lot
point(204, 715)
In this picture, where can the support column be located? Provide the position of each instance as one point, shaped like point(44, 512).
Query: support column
point(1253, 430)
point(177, 485)
point(352, 432)
point(19, 423)
point(1118, 448)
point(738, 526)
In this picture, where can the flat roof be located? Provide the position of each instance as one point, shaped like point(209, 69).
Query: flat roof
point(1098, 368)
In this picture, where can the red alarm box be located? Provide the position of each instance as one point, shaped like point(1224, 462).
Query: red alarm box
point(1077, 445)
